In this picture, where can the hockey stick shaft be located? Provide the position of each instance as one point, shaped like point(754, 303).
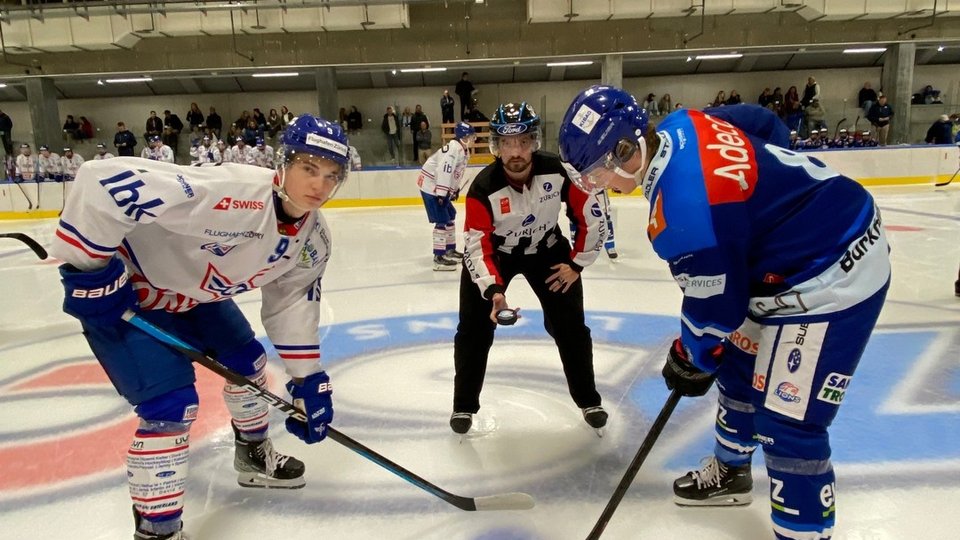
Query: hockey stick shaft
point(505, 501)
point(947, 183)
point(25, 196)
point(634, 467)
point(30, 242)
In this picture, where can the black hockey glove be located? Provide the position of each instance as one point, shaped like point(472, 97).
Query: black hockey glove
point(681, 374)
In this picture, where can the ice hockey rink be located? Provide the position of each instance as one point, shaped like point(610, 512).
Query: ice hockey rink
point(387, 330)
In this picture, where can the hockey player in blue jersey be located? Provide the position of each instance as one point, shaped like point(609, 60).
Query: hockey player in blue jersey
point(784, 268)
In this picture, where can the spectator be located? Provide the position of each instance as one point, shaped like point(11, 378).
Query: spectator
point(242, 121)
point(6, 129)
point(342, 117)
point(790, 111)
point(286, 116)
point(124, 140)
point(665, 104)
point(416, 122)
point(720, 100)
point(153, 127)
point(734, 98)
point(474, 114)
point(931, 96)
point(810, 92)
point(274, 123)
point(879, 116)
point(173, 122)
point(776, 100)
point(194, 117)
point(678, 106)
point(446, 107)
point(354, 120)
point(71, 129)
point(651, 105)
point(941, 131)
point(214, 122)
point(86, 128)
point(766, 98)
point(955, 128)
point(171, 139)
point(251, 132)
point(465, 92)
point(866, 98)
point(423, 141)
point(391, 130)
point(815, 115)
point(261, 119)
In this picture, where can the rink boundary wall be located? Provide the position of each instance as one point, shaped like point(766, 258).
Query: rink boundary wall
point(906, 165)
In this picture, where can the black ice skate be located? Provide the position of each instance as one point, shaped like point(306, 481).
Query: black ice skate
point(956, 287)
point(453, 254)
point(441, 263)
point(144, 535)
point(596, 417)
point(460, 422)
point(716, 484)
point(259, 465)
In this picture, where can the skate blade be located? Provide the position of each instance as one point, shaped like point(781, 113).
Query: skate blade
point(599, 432)
point(257, 480)
point(732, 499)
point(444, 268)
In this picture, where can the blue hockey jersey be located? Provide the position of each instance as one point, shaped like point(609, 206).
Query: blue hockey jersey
point(752, 229)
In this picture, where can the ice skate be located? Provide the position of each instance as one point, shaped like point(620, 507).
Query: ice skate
point(460, 422)
point(716, 484)
point(145, 535)
point(596, 417)
point(453, 254)
point(259, 465)
point(443, 264)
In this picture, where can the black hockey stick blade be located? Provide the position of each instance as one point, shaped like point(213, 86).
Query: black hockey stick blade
point(634, 467)
point(30, 242)
point(503, 501)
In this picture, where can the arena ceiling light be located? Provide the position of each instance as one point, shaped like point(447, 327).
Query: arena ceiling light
point(129, 80)
point(422, 70)
point(726, 56)
point(865, 50)
point(278, 74)
point(570, 63)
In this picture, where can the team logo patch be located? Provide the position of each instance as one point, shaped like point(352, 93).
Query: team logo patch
point(512, 129)
point(585, 119)
point(548, 187)
point(190, 413)
point(793, 360)
point(834, 388)
point(788, 392)
point(227, 203)
point(595, 210)
point(217, 248)
point(728, 160)
point(528, 220)
point(504, 205)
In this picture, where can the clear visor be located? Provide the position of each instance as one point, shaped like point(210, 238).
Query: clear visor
point(597, 176)
point(524, 142)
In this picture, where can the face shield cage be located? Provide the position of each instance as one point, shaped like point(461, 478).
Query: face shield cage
point(530, 139)
point(596, 176)
point(286, 156)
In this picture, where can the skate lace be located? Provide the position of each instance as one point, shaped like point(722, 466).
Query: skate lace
point(271, 459)
point(711, 474)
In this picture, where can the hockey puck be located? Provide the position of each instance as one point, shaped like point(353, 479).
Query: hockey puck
point(507, 317)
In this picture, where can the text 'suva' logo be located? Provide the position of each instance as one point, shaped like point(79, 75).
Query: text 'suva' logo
point(228, 203)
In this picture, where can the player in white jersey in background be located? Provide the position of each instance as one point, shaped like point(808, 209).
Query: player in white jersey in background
point(102, 152)
point(440, 180)
point(70, 163)
point(157, 151)
point(243, 154)
point(226, 153)
point(176, 244)
point(265, 154)
point(205, 152)
point(27, 167)
point(48, 164)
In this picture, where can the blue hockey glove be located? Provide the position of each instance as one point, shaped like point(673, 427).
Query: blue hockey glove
point(681, 374)
point(313, 397)
point(99, 297)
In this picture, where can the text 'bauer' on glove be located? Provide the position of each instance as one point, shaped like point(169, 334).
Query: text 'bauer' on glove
point(314, 397)
point(99, 297)
point(682, 375)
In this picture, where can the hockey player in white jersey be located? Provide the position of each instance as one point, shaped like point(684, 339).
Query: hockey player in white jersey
point(226, 153)
point(264, 154)
point(176, 244)
point(157, 151)
point(70, 163)
point(243, 154)
point(440, 182)
point(102, 152)
point(48, 164)
point(205, 152)
point(27, 167)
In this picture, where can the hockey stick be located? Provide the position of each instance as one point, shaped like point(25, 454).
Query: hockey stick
point(836, 130)
point(25, 196)
point(634, 467)
point(39, 181)
point(30, 242)
point(942, 184)
point(503, 501)
point(855, 122)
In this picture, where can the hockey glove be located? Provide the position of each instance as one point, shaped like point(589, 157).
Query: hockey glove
point(99, 297)
point(681, 374)
point(313, 397)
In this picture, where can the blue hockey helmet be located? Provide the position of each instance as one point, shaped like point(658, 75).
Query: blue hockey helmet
point(602, 129)
point(312, 135)
point(512, 120)
point(463, 130)
point(259, 141)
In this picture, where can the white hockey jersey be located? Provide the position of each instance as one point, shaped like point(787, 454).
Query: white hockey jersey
point(49, 165)
point(263, 157)
point(164, 153)
point(70, 165)
point(191, 235)
point(442, 174)
point(27, 167)
point(205, 154)
point(245, 155)
point(105, 155)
